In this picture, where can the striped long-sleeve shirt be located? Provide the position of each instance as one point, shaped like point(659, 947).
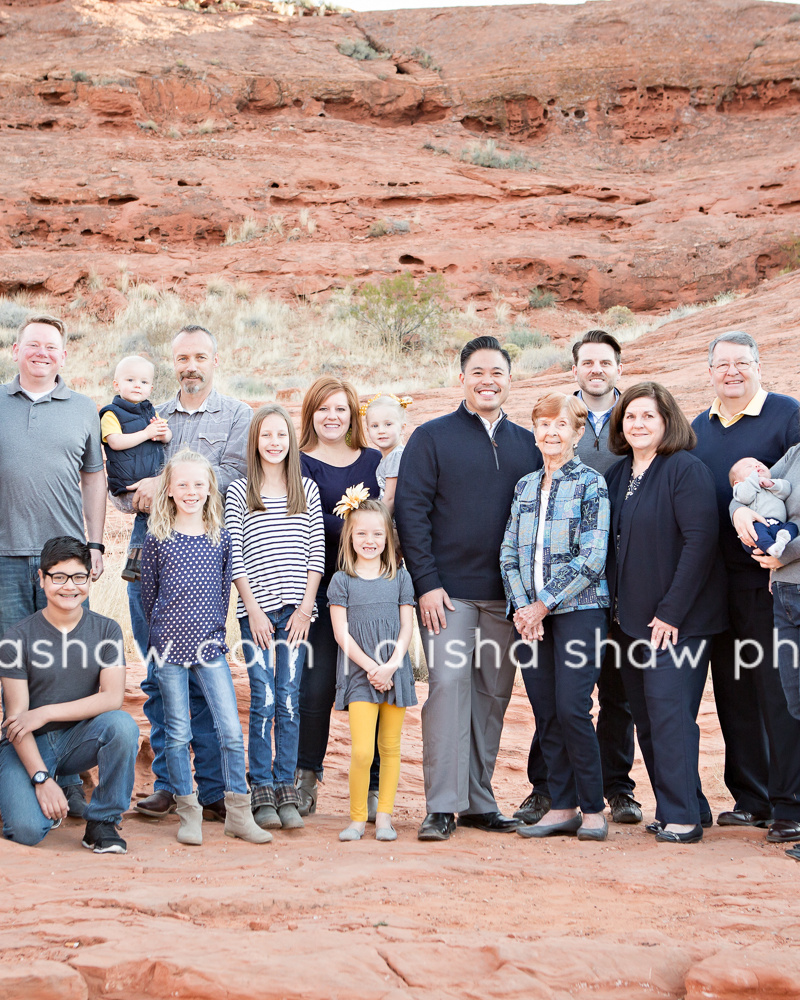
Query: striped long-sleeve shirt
point(273, 551)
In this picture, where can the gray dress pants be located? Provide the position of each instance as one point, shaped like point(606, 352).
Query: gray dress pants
point(470, 677)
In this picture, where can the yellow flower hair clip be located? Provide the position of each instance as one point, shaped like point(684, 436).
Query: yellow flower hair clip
point(353, 497)
point(404, 401)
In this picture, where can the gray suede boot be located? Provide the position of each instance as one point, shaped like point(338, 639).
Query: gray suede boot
point(239, 820)
point(190, 813)
point(306, 784)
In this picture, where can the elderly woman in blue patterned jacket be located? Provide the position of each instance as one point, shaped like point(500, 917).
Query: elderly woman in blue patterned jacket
point(553, 564)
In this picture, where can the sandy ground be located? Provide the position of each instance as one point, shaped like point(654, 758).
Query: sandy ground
point(479, 916)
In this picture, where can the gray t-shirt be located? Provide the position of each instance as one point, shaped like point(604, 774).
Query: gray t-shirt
point(60, 666)
point(44, 447)
point(388, 467)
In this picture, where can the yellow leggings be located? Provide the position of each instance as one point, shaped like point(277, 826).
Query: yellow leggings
point(363, 719)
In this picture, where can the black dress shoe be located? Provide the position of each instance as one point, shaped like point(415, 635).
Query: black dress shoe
point(793, 852)
point(494, 822)
point(624, 808)
point(741, 817)
point(533, 808)
point(783, 831)
point(437, 826)
point(693, 836)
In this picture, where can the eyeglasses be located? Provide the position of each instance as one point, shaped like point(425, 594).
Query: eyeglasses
point(59, 579)
point(741, 366)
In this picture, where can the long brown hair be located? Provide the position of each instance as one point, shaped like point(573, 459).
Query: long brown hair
point(347, 556)
point(295, 494)
point(318, 392)
point(162, 516)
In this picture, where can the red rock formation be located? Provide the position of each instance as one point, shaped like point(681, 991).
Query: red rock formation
point(664, 141)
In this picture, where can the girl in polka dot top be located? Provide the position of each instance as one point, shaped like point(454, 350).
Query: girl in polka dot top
point(186, 585)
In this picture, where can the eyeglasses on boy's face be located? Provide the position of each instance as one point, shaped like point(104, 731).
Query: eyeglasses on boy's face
point(59, 579)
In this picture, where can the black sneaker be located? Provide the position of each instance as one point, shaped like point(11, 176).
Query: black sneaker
point(624, 808)
point(102, 838)
point(533, 808)
point(76, 800)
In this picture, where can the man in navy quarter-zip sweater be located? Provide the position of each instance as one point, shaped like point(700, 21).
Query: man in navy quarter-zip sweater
point(762, 740)
point(454, 491)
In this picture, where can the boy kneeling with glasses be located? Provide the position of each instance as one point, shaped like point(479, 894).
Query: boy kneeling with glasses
point(63, 680)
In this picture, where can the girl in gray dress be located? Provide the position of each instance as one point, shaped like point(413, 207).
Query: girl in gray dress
point(371, 600)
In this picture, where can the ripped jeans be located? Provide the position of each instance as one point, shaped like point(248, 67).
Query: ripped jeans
point(274, 698)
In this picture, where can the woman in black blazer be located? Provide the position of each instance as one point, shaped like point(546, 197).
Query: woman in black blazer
point(666, 594)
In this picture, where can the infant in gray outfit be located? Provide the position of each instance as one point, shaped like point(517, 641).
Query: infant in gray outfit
point(753, 487)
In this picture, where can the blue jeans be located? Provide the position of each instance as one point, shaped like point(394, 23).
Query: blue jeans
point(274, 695)
point(21, 595)
point(109, 741)
point(216, 683)
point(786, 598)
point(207, 764)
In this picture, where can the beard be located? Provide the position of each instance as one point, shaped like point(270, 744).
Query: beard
point(192, 388)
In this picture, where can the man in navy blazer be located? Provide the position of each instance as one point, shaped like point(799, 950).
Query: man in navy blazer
point(762, 740)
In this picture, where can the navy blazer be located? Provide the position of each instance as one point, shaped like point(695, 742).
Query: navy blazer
point(667, 565)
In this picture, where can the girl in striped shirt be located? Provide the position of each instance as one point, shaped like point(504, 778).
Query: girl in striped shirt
point(275, 521)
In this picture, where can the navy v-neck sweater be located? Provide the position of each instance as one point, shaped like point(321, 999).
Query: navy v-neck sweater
point(766, 437)
point(453, 498)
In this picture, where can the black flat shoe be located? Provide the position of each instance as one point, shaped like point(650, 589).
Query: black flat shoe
point(494, 822)
point(706, 821)
point(437, 826)
point(594, 833)
point(565, 828)
point(692, 837)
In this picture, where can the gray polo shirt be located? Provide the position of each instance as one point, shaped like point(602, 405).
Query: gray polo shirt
point(44, 447)
point(217, 430)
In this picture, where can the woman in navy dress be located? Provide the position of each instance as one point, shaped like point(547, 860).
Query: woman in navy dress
point(335, 455)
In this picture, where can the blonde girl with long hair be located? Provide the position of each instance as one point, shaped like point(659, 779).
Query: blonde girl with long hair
point(371, 600)
point(275, 520)
point(186, 585)
point(335, 454)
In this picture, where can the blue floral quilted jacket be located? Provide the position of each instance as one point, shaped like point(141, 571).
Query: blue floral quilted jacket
point(575, 541)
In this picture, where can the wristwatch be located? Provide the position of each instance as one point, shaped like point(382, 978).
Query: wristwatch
point(97, 545)
point(40, 777)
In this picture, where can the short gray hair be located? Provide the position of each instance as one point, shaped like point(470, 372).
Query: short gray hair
point(734, 337)
point(196, 328)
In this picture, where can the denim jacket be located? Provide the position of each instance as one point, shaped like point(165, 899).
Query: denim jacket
point(575, 541)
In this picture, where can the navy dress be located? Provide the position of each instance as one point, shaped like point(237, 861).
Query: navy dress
point(318, 683)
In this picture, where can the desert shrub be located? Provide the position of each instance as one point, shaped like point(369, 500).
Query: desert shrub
point(11, 314)
point(248, 229)
point(540, 298)
point(487, 155)
point(78, 76)
point(425, 59)
point(513, 350)
point(359, 48)
point(387, 227)
point(148, 126)
point(538, 359)
point(206, 127)
point(792, 251)
point(521, 336)
point(619, 316)
point(7, 369)
point(248, 385)
point(402, 311)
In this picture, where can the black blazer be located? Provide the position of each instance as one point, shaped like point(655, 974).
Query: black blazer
point(668, 565)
